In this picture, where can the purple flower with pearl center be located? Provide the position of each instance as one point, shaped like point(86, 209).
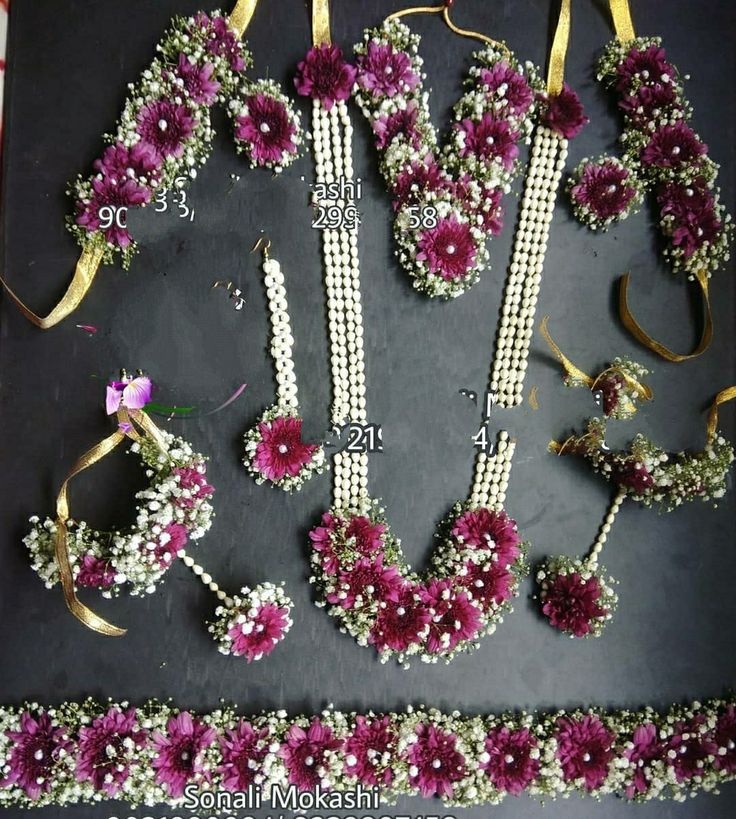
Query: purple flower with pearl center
point(490, 139)
point(384, 71)
point(165, 126)
point(179, 752)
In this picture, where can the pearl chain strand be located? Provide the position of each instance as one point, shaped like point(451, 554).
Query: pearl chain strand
point(333, 149)
point(598, 543)
point(547, 162)
point(282, 339)
point(492, 474)
point(199, 571)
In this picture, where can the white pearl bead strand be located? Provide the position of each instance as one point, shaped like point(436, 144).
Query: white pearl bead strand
point(199, 571)
point(599, 542)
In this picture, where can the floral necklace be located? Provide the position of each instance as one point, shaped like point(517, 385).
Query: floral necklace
point(663, 155)
point(165, 134)
point(576, 595)
point(358, 565)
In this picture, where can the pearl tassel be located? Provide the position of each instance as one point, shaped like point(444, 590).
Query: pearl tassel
point(204, 577)
point(598, 543)
point(547, 162)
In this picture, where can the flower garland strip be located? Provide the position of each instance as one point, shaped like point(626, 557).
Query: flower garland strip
point(274, 449)
point(662, 154)
point(92, 752)
point(174, 508)
point(164, 135)
point(448, 200)
point(576, 594)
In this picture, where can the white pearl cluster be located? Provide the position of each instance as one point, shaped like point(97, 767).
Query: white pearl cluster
point(547, 162)
point(598, 543)
point(333, 152)
point(492, 474)
point(206, 578)
point(282, 339)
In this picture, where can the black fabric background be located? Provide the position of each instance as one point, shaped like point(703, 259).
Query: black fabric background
point(673, 637)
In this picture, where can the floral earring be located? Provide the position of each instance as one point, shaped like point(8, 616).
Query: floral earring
point(274, 449)
point(174, 509)
point(576, 595)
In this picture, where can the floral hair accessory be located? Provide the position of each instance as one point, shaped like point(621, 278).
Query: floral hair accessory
point(172, 510)
point(156, 754)
point(664, 156)
point(447, 200)
point(165, 134)
point(324, 75)
point(274, 449)
point(575, 594)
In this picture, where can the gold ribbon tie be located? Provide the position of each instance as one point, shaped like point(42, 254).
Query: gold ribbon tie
point(728, 394)
point(61, 547)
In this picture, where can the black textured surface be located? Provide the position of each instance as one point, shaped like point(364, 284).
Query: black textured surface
point(672, 637)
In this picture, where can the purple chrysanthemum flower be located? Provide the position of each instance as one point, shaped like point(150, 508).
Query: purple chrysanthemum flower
point(124, 164)
point(632, 474)
point(197, 80)
point(435, 764)
point(672, 146)
point(725, 738)
point(646, 748)
point(178, 758)
point(103, 756)
point(489, 583)
point(490, 139)
point(488, 529)
point(95, 572)
point(504, 81)
point(466, 191)
point(221, 39)
point(401, 123)
point(384, 71)
point(565, 113)
point(267, 128)
point(690, 747)
point(448, 249)
point(692, 211)
point(243, 750)
point(604, 188)
point(584, 749)
point(365, 749)
point(418, 177)
point(454, 616)
point(366, 579)
point(108, 192)
point(649, 103)
point(572, 603)
point(305, 753)
point(165, 126)
point(325, 75)
point(513, 761)
point(648, 66)
point(35, 750)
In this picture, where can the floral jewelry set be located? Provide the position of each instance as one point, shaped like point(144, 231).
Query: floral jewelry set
point(447, 202)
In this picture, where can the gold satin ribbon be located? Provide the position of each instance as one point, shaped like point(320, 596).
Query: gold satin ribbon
point(99, 451)
point(444, 10)
point(241, 15)
point(87, 266)
point(643, 391)
point(631, 324)
point(321, 22)
point(723, 396)
point(622, 21)
point(558, 52)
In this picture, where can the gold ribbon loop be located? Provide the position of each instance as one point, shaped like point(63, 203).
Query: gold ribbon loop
point(558, 52)
point(631, 324)
point(83, 613)
point(321, 22)
point(87, 266)
point(622, 21)
point(728, 394)
point(240, 16)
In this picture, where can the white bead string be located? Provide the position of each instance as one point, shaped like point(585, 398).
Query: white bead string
point(282, 339)
point(547, 162)
point(333, 138)
point(492, 474)
point(206, 578)
point(599, 542)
